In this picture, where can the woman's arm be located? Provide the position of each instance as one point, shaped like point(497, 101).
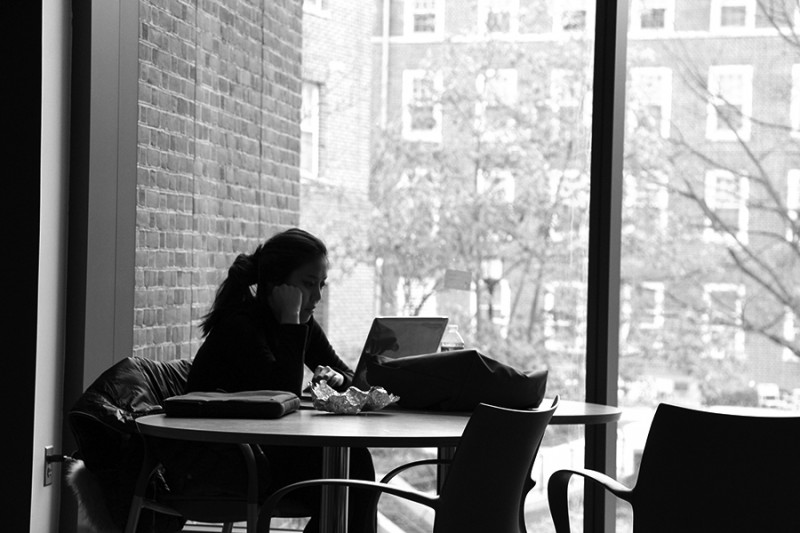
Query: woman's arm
point(237, 356)
point(319, 352)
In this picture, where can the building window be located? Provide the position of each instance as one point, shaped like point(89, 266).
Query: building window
point(726, 196)
point(315, 6)
point(424, 17)
point(496, 183)
point(571, 16)
point(723, 335)
point(729, 15)
point(730, 89)
point(497, 90)
point(651, 91)
point(645, 202)
point(791, 334)
point(794, 111)
point(498, 16)
point(641, 316)
point(422, 111)
point(568, 197)
point(793, 205)
point(565, 316)
point(309, 129)
point(652, 15)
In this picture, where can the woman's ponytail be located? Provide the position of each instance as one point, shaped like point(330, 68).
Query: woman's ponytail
point(234, 290)
point(271, 264)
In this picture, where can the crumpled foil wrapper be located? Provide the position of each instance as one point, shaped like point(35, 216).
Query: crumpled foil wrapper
point(350, 402)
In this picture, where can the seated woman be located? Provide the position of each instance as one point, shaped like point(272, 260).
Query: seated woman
point(262, 341)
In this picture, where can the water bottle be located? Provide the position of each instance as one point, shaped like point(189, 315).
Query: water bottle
point(452, 339)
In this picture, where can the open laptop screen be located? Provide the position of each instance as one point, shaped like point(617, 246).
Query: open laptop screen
point(396, 336)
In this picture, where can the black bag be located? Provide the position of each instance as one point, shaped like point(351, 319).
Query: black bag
point(245, 404)
point(456, 381)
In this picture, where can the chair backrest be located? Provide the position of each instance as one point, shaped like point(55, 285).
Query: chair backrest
point(103, 422)
point(490, 473)
point(709, 471)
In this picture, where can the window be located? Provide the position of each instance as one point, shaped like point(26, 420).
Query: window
point(723, 334)
point(309, 129)
point(424, 17)
point(498, 16)
point(569, 200)
point(652, 15)
point(791, 334)
point(730, 89)
point(646, 202)
point(651, 89)
point(422, 111)
point(793, 205)
point(315, 6)
point(729, 15)
point(645, 304)
point(726, 197)
point(565, 313)
point(794, 111)
point(496, 183)
point(498, 98)
point(642, 316)
point(571, 16)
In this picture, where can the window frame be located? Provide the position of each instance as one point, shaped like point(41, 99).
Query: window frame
point(311, 124)
point(709, 328)
point(560, 7)
point(665, 93)
point(485, 7)
point(486, 93)
point(637, 10)
point(713, 131)
point(712, 201)
point(794, 106)
point(715, 18)
point(434, 135)
point(409, 10)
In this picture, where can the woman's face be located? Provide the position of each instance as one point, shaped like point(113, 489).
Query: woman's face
point(310, 279)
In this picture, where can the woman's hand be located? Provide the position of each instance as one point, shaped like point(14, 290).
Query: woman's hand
point(285, 302)
point(330, 375)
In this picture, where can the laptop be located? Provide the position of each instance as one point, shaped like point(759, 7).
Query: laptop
point(399, 336)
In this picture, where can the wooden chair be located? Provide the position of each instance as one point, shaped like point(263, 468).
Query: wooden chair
point(705, 471)
point(487, 479)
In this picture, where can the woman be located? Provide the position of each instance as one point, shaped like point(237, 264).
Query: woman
point(262, 341)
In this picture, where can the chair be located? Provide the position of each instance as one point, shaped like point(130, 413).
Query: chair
point(487, 479)
point(123, 465)
point(706, 471)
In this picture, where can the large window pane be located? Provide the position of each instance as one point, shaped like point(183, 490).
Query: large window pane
point(452, 178)
point(710, 242)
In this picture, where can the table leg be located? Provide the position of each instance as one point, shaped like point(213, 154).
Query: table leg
point(445, 453)
point(334, 505)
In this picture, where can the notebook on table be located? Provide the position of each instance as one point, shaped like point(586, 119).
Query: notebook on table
point(399, 336)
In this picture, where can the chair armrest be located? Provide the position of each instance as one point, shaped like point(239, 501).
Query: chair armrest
point(271, 503)
point(412, 464)
point(558, 500)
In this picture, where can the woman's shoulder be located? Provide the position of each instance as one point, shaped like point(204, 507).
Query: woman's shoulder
point(240, 321)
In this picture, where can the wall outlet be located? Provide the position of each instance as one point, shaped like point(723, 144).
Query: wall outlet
point(49, 466)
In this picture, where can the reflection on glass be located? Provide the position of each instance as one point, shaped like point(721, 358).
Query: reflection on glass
point(458, 139)
point(710, 240)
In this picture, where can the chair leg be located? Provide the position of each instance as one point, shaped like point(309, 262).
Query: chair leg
point(227, 527)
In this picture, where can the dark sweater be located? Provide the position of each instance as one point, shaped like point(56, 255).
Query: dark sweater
point(250, 350)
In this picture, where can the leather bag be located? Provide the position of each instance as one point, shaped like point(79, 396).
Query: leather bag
point(245, 404)
point(456, 381)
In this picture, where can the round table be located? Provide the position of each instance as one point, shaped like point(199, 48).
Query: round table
point(336, 434)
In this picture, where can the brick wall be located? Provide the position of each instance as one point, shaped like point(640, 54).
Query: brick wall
point(218, 153)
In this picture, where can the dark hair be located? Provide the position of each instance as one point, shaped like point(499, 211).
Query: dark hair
point(271, 264)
